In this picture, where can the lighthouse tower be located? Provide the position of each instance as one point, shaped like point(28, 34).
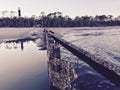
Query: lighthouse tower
point(19, 12)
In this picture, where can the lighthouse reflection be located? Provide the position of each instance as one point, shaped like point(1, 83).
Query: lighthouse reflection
point(60, 72)
point(19, 43)
point(23, 66)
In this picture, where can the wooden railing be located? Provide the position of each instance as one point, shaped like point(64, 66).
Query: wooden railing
point(109, 71)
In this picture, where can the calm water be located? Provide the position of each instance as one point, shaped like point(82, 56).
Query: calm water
point(23, 66)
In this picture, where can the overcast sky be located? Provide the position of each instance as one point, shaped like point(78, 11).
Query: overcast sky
point(67, 7)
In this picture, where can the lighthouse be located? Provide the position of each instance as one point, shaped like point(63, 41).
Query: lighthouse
point(19, 12)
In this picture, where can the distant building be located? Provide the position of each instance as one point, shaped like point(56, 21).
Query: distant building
point(19, 12)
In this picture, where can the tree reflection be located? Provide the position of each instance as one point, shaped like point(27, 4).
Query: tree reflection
point(14, 44)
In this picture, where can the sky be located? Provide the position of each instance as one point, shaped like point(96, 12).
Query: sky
point(71, 8)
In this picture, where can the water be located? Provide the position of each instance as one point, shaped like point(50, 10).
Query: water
point(23, 66)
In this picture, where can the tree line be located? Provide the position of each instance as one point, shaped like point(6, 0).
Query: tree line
point(56, 19)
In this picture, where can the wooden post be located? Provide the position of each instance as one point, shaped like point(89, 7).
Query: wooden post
point(53, 48)
point(60, 72)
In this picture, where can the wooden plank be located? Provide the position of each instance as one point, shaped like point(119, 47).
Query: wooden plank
point(110, 73)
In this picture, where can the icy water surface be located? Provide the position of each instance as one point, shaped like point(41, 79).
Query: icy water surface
point(23, 66)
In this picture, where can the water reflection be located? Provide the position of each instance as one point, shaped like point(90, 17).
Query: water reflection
point(14, 43)
point(23, 66)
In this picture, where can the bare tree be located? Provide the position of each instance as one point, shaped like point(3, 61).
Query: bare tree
point(5, 13)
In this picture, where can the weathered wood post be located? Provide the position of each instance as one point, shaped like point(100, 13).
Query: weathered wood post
point(53, 52)
point(53, 48)
point(60, 72)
